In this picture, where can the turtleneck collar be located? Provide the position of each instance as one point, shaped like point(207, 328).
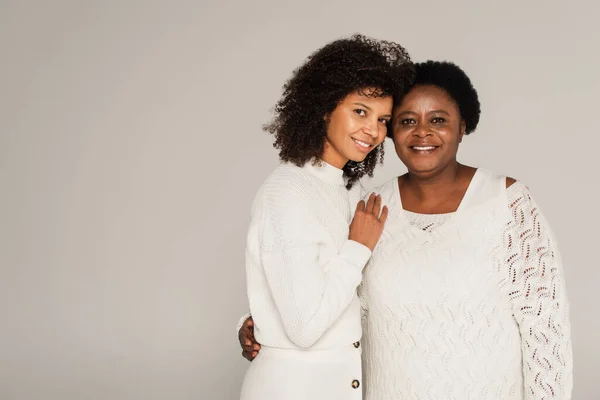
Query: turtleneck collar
point(326, 172)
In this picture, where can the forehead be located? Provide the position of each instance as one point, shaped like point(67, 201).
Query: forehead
point(427, 96)
point(368, 97)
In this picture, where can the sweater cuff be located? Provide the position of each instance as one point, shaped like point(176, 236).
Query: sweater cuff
point(241, 322)
point(355, 253)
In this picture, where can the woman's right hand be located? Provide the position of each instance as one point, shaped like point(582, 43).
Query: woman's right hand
point(250, 347)
point(367, 224)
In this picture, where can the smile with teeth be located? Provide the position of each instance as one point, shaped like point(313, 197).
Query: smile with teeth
point(363, 144)
point(423, 148)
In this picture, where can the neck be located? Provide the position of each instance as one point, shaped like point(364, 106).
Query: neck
point(332, 157)
point(431, 184)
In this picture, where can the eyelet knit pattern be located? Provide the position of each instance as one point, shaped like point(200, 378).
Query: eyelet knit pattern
point(467, 305)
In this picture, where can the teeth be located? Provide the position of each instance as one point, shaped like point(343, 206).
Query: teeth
point(424, 148)
point(363, 144)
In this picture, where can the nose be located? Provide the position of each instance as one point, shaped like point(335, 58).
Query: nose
point(372, 127)
point(422, 132)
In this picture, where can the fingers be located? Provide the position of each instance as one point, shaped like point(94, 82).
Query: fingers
point(370, 203)
point(373, 206)
point(360, 206)
point(384, 215)
point(247, 348)
point(247, 340)
point(250, 349)
point(377, 206)
point(248, 356)
point(250, 346)
point(249, 352)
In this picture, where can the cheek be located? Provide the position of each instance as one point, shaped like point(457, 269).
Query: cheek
point(400, 136)
point(342, 126)
point(449, 136)
point(399, 144)
point(401, 152)
point(333, 129)
point(382, 135)
point(352, 125)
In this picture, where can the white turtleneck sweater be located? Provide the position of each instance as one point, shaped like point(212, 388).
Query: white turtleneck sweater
point(302, 271)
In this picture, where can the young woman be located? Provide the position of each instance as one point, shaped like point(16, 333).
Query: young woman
point(308, 240)
point(464, 296)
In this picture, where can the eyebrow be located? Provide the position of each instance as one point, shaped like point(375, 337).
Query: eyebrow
point(370, 109)
point(430, 112)
point(406, 113)
point(363, 105)
point(439, 112)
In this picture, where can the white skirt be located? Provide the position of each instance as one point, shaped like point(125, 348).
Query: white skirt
point(285, 374)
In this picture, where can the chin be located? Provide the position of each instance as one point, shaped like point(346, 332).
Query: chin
point(421, 167)
point(358, 159)
point(357, 156)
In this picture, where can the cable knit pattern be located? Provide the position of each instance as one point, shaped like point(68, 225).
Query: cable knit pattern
point(467, 305)
point(302, 271)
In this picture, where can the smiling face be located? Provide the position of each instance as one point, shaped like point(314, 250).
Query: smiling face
point(356, 127)
point(427, 129)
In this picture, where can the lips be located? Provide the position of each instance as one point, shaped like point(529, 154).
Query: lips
point(423, 148)
point(363, 146)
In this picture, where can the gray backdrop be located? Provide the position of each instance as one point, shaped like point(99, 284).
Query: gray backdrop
point(131, 148)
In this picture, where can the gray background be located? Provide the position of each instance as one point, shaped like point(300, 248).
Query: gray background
point(131, 148)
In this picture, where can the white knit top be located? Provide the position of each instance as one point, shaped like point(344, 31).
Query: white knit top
point(469, 305)
point(302, 271)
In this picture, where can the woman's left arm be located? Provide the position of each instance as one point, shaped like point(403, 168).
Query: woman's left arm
point(539, 300)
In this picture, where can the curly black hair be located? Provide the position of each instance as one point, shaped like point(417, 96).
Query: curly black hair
point(454, 81)
point(316, 88)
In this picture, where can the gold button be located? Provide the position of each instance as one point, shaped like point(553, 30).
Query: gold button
point(357, 344)
point(355, 384)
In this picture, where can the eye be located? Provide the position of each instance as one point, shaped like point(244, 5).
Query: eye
point(408, 121)
point(360, 112)
point(438, 120)
point(384, 121)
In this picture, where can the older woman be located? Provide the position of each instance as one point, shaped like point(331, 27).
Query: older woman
point(464, 296)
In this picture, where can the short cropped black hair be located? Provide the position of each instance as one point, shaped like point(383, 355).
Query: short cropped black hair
point(454, 81)
point(316, 88)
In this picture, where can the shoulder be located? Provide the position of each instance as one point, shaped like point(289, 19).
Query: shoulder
point(504, 181)
point(500, 182)
point(288, 187)
point(521, 203)
point(526, 213)
point(388, 190)
point(288, 179)
point(357, 192)
point(287, 173)
point(510, 186)
point(517, 193)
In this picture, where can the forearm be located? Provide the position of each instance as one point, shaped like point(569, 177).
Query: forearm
point(310, 297)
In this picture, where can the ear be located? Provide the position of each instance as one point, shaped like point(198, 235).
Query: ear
point(463, 129)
